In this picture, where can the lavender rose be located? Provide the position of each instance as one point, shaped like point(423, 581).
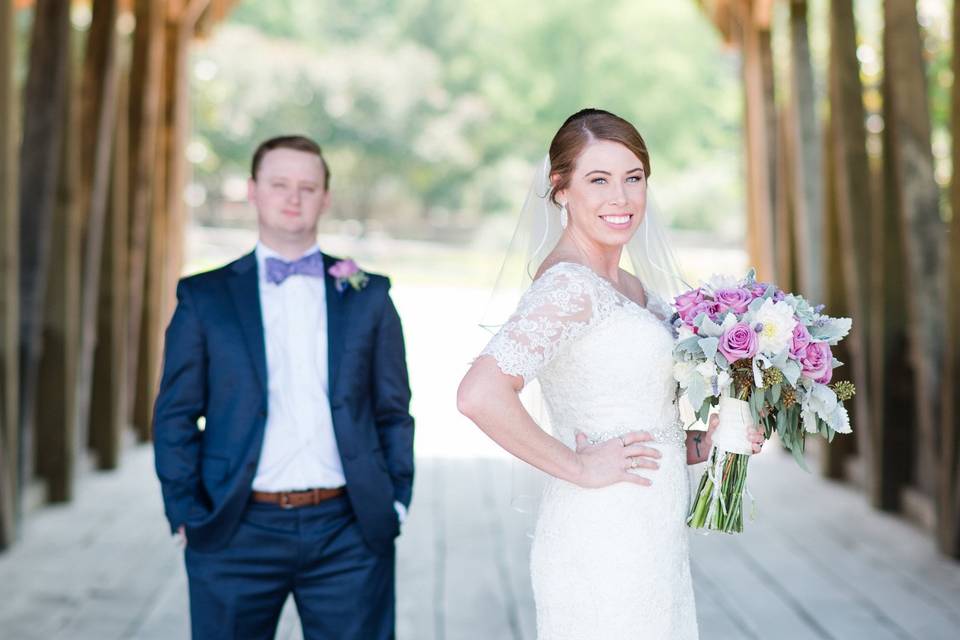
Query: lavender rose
point(709, 307)
point(760, 288)
point(817, 362)
point(686, 301)
point(801, 338)
point(739, 342)
point(736, 300)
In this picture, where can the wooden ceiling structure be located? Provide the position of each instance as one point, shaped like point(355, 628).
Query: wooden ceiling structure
point(92, 173)
point(864, 234)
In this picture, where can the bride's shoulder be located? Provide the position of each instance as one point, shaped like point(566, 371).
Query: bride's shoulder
point(568, 286)
point(560, 271)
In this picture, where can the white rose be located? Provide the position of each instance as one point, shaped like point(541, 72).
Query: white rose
point(707, 369)
point(776, 332)
point(682, 372)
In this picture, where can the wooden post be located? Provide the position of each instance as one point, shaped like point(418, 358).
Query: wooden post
point(805, 161)
point(167, 225)
point(108, 416)
point(836, 295)
point(44, 102)
point(855, 222)
point(760, 134)
point(145, 93)
point(100, 77)
point(922, 228)
point(9, 277)
point(948, 529)
point(787, 253)
point(892, 410)
point(58, 443)
point(179, 125)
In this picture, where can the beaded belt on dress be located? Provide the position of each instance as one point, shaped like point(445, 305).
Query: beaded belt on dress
point(671, 434)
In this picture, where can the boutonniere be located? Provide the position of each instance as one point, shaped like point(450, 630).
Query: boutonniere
point(346, 272)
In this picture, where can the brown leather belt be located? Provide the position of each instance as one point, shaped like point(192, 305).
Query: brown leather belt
point(294, 499)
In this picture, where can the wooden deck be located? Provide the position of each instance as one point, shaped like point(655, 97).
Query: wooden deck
point(816, 563)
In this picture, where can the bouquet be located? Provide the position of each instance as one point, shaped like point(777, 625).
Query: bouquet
point(764, 356)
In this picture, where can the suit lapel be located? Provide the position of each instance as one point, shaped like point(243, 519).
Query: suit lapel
point(245, 291)
point(336, 316)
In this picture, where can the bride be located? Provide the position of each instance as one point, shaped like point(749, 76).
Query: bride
point(610, 555)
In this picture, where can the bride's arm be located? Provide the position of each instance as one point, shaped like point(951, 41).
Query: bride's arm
point(490, 398)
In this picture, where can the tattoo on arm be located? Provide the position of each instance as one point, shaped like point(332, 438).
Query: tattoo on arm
point(697, 439)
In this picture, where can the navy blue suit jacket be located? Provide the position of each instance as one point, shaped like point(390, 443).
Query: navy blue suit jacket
point(215, 367)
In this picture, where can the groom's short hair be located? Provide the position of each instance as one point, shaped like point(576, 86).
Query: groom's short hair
point(295, 142)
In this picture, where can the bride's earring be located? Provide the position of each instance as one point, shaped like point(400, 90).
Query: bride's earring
point(563, 215)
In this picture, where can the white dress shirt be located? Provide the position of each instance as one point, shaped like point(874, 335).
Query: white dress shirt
point(299, 445)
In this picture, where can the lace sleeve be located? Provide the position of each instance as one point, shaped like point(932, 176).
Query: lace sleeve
point(558, 307)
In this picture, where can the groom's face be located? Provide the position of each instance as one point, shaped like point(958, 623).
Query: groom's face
point(607, 194)
point(288, 193)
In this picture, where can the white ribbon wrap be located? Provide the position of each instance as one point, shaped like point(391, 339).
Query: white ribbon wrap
point(735, 420)
point(730, 436)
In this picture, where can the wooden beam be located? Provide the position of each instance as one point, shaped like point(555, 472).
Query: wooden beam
point(855, 223)
point(806, 161)
point(922, 228)
point(145, 94)
point(168, 223)
point(892, 401)
point(44, 102)
point(787, 252)
point(948, 529)
point(760, 132)
point(178, 119)
point(9, 277)
point(100, 77)
point(57, 441)
point(835, 296)
point(108, 415)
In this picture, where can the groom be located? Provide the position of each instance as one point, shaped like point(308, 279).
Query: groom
point(283, 440)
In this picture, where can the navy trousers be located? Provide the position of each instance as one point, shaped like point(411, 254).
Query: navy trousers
point(343, 591)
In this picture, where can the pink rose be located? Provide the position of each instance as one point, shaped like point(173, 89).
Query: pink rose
point(817, 362)
point(343, 269)
point(736, 300)
point(686, 301)
point(801, 338)
point(739, 342)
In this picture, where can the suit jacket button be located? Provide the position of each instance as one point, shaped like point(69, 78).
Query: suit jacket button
point(262, 413)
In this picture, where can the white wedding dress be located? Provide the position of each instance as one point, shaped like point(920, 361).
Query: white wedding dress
point(611, 563)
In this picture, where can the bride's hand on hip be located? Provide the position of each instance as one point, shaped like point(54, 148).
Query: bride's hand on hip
point(613, 461)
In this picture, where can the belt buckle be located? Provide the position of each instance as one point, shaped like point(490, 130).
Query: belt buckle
point(285, 501)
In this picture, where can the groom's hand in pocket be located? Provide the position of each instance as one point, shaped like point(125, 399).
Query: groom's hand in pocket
point(615, 460)
point(180, 537)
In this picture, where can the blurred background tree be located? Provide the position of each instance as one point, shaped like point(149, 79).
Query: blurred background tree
point(434, 112)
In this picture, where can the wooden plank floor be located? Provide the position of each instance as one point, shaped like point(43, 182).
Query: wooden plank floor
point(816, 563)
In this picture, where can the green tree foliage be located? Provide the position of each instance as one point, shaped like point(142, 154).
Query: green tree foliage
point(436, 110)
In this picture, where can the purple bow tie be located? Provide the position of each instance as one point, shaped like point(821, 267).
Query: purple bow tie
point(279, 270)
